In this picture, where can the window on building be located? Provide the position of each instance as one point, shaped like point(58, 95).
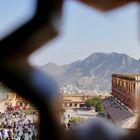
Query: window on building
point(70, 104)
point(75, 104)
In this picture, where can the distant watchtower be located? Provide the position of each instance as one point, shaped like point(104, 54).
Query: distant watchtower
point(126, 87)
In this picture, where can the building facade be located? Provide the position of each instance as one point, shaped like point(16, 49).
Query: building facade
point(125, 88)
point(76, 100)
point(13, 99)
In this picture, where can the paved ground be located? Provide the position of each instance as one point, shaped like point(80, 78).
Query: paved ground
point(81, 113)
point(86, 115)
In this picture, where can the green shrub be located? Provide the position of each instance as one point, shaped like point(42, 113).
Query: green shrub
point(76, 119)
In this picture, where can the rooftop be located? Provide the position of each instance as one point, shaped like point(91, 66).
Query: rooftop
point(118, 113)
point(126, 75)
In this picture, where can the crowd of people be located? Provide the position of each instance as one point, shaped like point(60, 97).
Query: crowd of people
point(18, 125)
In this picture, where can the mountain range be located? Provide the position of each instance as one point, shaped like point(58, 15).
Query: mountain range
point(94, 72)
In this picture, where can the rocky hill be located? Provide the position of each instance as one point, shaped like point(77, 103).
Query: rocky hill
point(94, 72)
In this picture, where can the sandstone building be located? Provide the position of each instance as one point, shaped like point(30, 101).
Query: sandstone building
point(125, 88)
point(76, 100)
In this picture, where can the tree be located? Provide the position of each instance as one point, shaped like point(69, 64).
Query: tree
point(99, 107)
point(92, 102)
point(95, 102)
point(89, 103)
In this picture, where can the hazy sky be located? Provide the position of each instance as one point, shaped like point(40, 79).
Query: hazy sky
point(84, 31)
point(14, 13)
